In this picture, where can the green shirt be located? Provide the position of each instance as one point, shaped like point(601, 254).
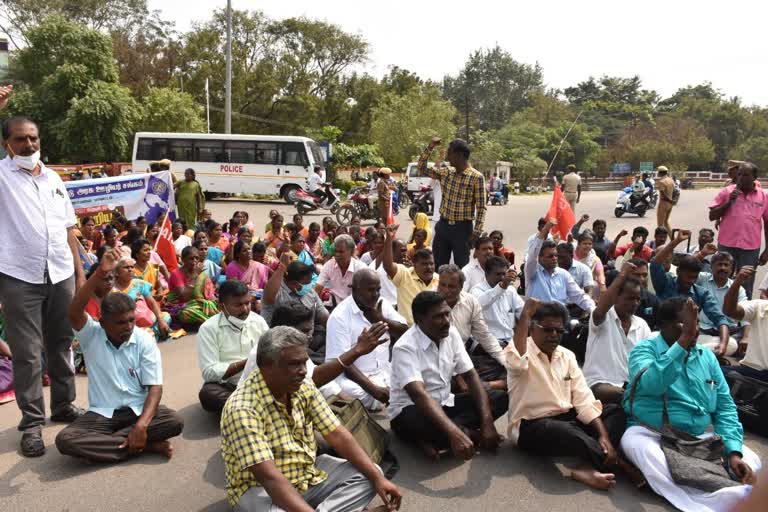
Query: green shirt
point(697, 394)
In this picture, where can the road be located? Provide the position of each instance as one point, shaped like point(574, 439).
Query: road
point(194, 479)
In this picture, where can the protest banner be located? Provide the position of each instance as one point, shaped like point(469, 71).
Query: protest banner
point(148, 195)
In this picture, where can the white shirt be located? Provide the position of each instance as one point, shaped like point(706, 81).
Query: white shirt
point(437, 199)
point(315, 181)
point(345, 324)
point(180, 243)
point(367, 258)
point(416, 358)
point(581, 274)
point(219, 344)
point(37, 212)
point(474, 274)
point(606, 361)
point(329, 390)
point(756, 313)
point(388, 290)
point(501, 308)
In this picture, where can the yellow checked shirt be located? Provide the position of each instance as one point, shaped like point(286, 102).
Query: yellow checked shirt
point(256, 428)
point(463, 193)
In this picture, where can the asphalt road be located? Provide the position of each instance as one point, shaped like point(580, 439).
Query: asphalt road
point(194, 479)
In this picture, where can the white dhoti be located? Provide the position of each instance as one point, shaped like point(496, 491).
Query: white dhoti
point(380, 378)
point(712, 342)
point(643, 448)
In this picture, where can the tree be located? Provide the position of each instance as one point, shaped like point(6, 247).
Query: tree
point(612, 104)
point(19, 17)
point(485, 151)
point(492, 86)
point(672, 141)
point(755, 150)
point(358, 157)
point(168, 110)
point(99, 125)
point(402, 125)
point(69, 86)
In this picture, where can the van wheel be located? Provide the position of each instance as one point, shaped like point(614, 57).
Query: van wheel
point(288, 193)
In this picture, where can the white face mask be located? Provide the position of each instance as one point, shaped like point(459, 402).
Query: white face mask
point(233, 320)
point(27, 162)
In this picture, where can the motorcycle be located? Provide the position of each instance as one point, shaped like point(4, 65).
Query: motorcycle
point(654, 201)
point(424, 202)
point(496, 198)
point(630, 202)
point(402, 195)
point(306, 202)
point(358, 205)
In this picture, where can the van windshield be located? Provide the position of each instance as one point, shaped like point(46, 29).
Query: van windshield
point(317, 153)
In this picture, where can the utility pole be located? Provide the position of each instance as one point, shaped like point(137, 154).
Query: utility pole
point(228, 84)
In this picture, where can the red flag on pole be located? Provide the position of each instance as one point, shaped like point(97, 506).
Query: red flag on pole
point(560, 210)
point(164, 245)
point(390, 213)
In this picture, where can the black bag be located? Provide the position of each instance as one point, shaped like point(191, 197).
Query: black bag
point(751, 398)
point(692, 461)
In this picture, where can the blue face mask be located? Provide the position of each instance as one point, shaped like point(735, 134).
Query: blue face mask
point(304, 290)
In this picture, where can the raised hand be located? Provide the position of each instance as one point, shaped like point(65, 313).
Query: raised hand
point(744, 274)
point(683, 235)
point(392, 231)
point(5, 95)
point(530, 307)
point(623, 232)
point(628, 268)
point(370, 338)
point(690, 324)
point(109, 260)
point(584, 218)
point(709, 249)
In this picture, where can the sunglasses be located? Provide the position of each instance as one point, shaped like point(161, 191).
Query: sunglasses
point(557, 330)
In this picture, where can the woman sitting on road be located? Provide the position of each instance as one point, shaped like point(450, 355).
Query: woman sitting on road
point(146, 270)
point(673, 372)
point(148, 316)
point(585, 254)
point(192, 299)
point(244, 269)
point(210, 268)
point(217, 243)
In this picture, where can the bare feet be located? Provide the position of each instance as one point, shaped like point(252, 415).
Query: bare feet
point(594, 478)
point(430, 451)
point(164, 448)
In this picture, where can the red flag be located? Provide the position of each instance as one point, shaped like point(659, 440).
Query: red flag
point(390, 213)
point(560, 210)
point(164, 245)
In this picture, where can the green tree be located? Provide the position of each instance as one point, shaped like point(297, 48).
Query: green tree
point(492, 86)
point(755, 150)
point(402, 125)
point(357, 156)
point(486, 150)
point(168, 110)
point(328, 133)
point(19, 17)
point(672, 141)
point(69, 86)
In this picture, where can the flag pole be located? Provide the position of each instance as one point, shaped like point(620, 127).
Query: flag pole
point(562, 141)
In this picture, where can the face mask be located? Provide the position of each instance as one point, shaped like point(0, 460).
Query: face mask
point(233, 320)
point(304, 290)
point(27, 162)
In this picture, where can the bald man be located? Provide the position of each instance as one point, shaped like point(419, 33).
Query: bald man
point(363, 315)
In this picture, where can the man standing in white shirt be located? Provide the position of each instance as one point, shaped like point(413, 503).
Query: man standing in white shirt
point(39, 269)
point(364, 314)
point(613, 331)
point(501, 303)
point(474, 271)
point(422, 408)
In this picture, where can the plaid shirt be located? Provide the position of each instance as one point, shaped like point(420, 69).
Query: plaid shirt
point(463, 193)
point(256, 428)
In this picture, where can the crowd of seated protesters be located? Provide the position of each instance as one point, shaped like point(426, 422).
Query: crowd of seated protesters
point(444, 351)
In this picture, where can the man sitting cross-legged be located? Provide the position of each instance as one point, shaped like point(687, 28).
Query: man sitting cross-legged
point(268, 441)
point(422, 408)
point(613, 331)
point(125, 381)
point(223, 344)
point(357, 317)
point(551, 409)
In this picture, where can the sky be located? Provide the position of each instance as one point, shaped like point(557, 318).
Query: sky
point(669, 44)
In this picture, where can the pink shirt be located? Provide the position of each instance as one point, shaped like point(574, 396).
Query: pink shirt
point(339, 284)
point(741, 224)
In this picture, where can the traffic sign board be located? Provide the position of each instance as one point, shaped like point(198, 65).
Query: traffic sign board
point(646, 166)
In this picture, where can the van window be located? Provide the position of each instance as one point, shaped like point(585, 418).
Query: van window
point(294, 154)
point(241, 152)
point(209, 151)
point(144, 151)
point(180, 150)
point(267, 153)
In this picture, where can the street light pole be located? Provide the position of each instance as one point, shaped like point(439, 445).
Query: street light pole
point(228, 84)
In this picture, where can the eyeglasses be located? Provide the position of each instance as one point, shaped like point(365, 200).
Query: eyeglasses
point(557, 330)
